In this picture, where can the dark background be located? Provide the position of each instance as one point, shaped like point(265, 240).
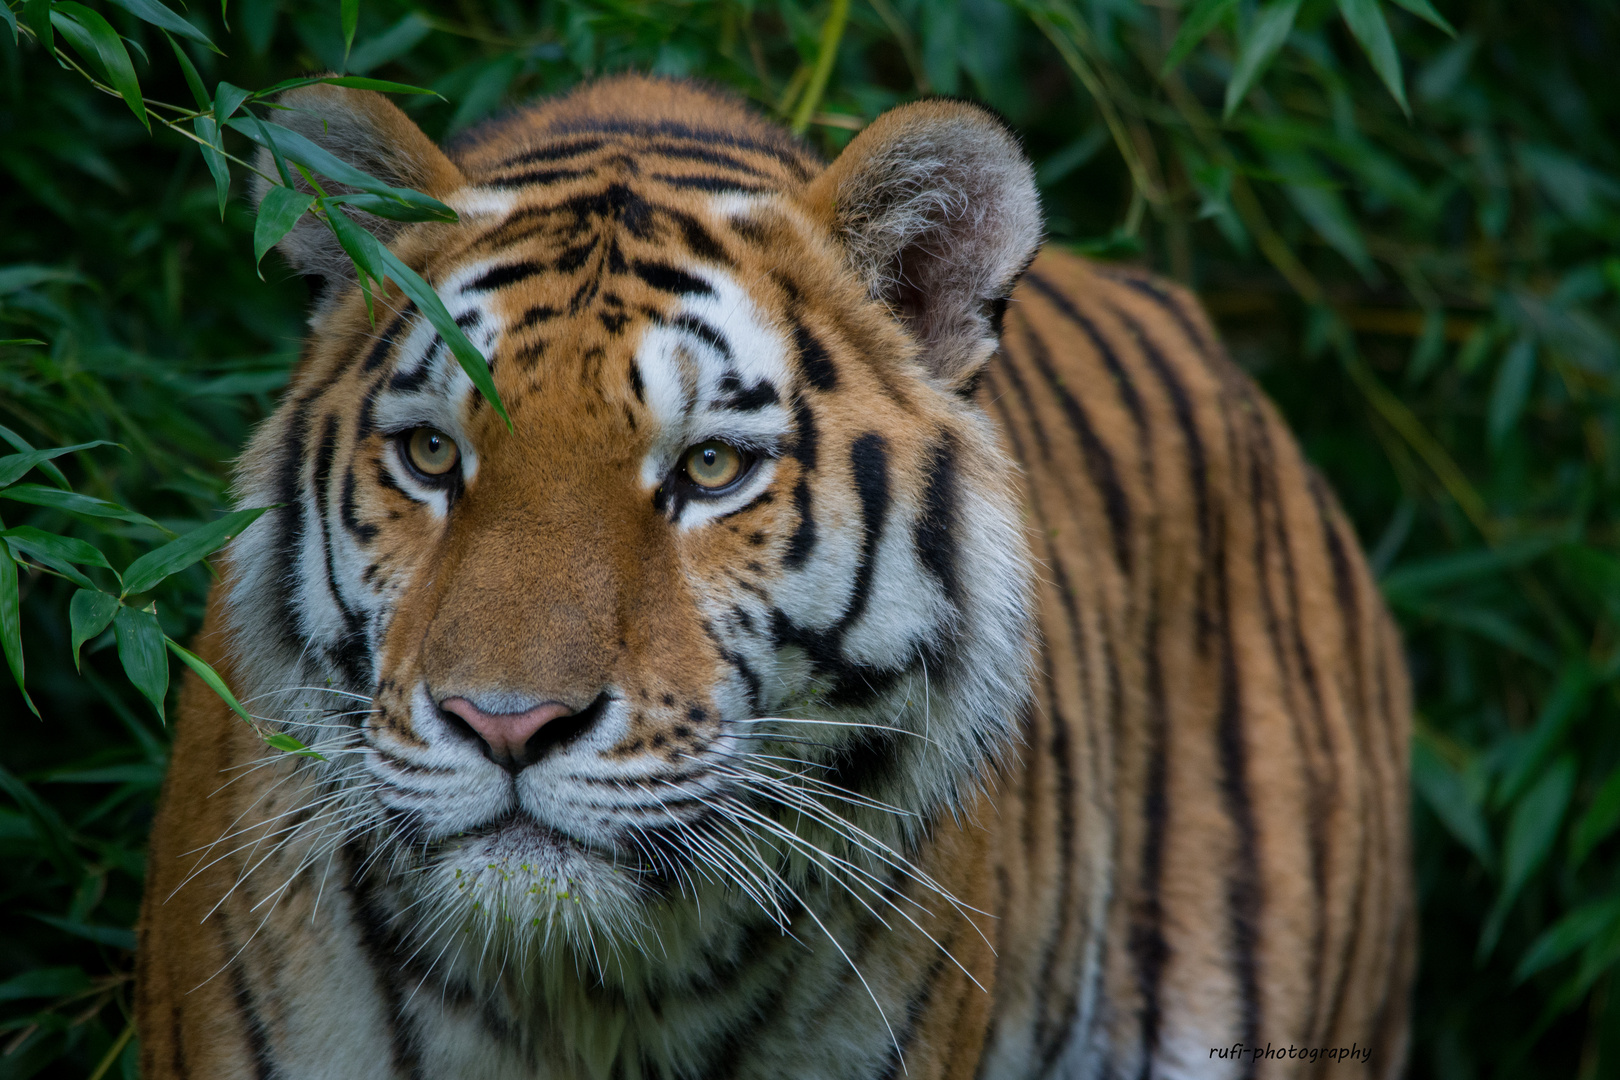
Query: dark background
point(1431, 299)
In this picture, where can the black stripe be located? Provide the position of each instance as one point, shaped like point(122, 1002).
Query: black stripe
point(780, 148)
point(705, 332)
point(379, 350)
point(916, 1009)
point(1243, 879)
point(716, 184)
point(869, 468)
point(814, 362)
point(1197, 456)
point(290, 529)
point(805, 450)
point(750, 399)
point(351, 652)
point(555, 152)
point(1099, 462)
point(937, 526)
point(404, 1043)
point(253, 1025)
point(498, 277)
point(1172, 304)
point(532, 178)
point(666, 278)
point(1127, 389)
point(1147, 943)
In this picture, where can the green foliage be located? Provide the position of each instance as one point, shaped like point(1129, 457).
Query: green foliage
point(1405, 220)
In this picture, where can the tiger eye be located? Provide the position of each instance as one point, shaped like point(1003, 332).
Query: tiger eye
point(431, 451)
point(713, 465)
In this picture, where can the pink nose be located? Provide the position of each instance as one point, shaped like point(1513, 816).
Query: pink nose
point(506, 734)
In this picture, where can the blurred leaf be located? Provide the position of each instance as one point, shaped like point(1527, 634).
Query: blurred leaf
point(278, 213)
point(1511, 389)
point(11, 21)
point(1419, 578)
point(350, 12)
point(1201, 18)
point(47, 823)
point(1531, 831)
point(65, 548)
point(1265, 37)
point(1446, 794)
point(115, 936)
point(90, 612)
point(1566, 702)
point(19, 443)
point(176, 555)
point(11, 624)
point(1366, 21)
point(140, 649)
point(51, 982)
point(1599, 821)
point(37, 13)
point(94, 36)
point(1423, 9)
point(1568, 934)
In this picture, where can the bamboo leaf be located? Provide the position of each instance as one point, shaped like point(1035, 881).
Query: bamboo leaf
point(74, 503)
point(93, 35)
point(1204, 16)
point(278, 213)
point(155, 13)
point(37, 14)
point(1510, 390)
point(227, 99)
point(297, 148)
point(1423, 9)
point(472, 361)
point(89, 613)
point(1366, 21)
point(151, 568)
point(349, 11)
point(19, 443)
point(194, 81)
point(140, 649)
point(1270, 30)
point(11, 624)
point(208, 676)
point(13, 466)
point(208, 132)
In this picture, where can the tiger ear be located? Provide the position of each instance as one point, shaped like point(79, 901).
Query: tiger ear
point(371, 133)
point(935, 206)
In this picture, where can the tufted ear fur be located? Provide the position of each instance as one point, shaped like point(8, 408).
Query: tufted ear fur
point(935, 206)
point(372, 134)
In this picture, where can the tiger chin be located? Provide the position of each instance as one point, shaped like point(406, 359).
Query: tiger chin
point(871, 650)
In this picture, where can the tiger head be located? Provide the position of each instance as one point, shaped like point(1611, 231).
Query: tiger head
point(739, 598)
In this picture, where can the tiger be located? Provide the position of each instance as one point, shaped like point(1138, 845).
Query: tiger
point(874, 647)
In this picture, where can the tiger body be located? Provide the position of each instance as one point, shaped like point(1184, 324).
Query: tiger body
point(890, 758)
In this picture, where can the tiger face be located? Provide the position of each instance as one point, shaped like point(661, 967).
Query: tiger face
point(740, 598)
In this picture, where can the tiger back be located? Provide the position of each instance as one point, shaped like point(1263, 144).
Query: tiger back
point(845, 664)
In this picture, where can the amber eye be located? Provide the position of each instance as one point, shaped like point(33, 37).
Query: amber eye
point(431, 452)
point(713, 465)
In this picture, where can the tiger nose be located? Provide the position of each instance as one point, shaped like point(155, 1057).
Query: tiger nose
point(509, 739)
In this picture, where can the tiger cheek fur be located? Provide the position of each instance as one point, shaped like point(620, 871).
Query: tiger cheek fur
point(1011, 701)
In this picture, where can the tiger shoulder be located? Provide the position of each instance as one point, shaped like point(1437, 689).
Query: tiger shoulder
point(843, 644)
